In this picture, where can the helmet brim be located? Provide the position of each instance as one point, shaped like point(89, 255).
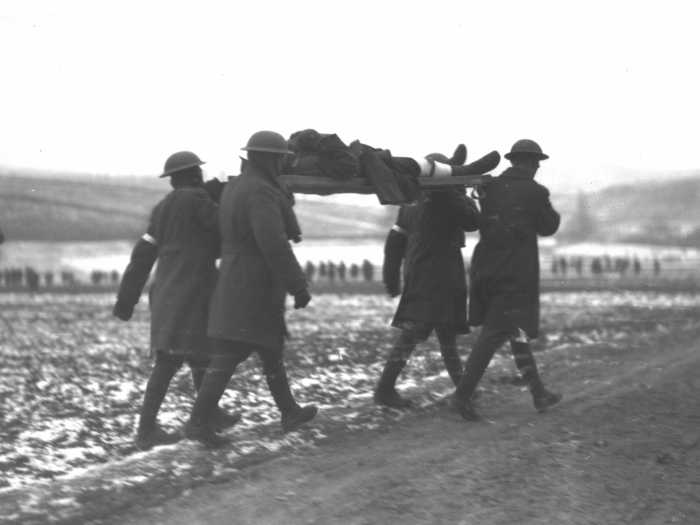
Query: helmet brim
point(538, 156)
point(168, 173)
point(268, 150)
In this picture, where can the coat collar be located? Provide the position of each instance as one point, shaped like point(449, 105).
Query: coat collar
point(517, 173)
point(250, 170)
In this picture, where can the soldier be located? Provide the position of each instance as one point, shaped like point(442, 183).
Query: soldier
point(258, 268)
point(429, 237)
point(183, 236)
point(504, 294)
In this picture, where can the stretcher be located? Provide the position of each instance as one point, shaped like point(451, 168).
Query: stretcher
point(470, 175)
point(317, 185)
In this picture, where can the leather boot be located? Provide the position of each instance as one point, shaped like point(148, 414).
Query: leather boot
point(293, 419)
point(385, 393)
point(205, 434)
point(147, 439)
point(465, 408)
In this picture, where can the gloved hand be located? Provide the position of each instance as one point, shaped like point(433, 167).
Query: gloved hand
point(301, 299)
point(122, 311)
point(393, 288)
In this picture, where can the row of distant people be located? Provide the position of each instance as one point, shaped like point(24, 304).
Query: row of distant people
point(331, 271)
point(602, 265)
point(33, 280)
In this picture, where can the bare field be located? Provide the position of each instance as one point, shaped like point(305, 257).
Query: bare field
point(74, 378)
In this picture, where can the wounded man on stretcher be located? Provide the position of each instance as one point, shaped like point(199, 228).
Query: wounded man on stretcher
point(323, 164)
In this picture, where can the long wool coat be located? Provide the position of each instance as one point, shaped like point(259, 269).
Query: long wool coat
point(505, 272)
point(184, 228)
point(435, 287)
point(258, 267)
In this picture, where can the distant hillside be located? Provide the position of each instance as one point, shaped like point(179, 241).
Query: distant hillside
point(663, 211)
point(90, 208)
point(84, 208)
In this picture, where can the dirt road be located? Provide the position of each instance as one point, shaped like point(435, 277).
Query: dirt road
point(624, 447)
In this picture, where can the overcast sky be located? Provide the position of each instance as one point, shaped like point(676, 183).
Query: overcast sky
point(607, 88)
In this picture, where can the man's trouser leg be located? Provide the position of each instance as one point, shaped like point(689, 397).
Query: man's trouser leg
point(198, 367)
point(448, 347)
point(525, 362)
point(293, 415)
point(398, 356)
point(226, 357)
point(165, 367)
point(490, 339)
point(277, 381)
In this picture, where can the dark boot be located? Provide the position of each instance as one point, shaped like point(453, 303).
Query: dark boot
point(146, 440)
point(221, 420)
point(385, 393)
point(392, 399)
point(161, 375)
point(200, 426)
point(293, 419)
point(293, 415)
point(205, 434)
point(546, 399)
point(465, 408)
point(525, 361)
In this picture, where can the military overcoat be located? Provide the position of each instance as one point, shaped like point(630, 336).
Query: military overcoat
point(184, 228)
point(435, 288)
point(258, 267)
point(505, 272)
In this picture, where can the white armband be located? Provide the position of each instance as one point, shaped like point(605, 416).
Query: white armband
point(399, 229)
point(149, 239)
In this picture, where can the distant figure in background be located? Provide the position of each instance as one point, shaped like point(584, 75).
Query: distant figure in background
point(354, 271)
point(114, 276)
point(636, 266)
point(322, 269)
point(48, 279)
point(427, 238)
point(505, 278)
point(309, 270)
point(657, 267)
point(67, 278)
point(596, 266)
point(2, 237)
point(564, 265)
point(607, 263)
point(331, 271)
point(342, 269)
point(31, 277)
point(367, 271)
point(96, 277)
point(555, 266)
point(578, 266)
point(183, 236)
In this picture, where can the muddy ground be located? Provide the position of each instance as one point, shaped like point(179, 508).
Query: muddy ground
point(623, 447)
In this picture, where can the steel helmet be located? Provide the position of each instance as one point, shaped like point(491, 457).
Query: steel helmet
point(179, 161)
point(525, 147)
point(267, 142)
